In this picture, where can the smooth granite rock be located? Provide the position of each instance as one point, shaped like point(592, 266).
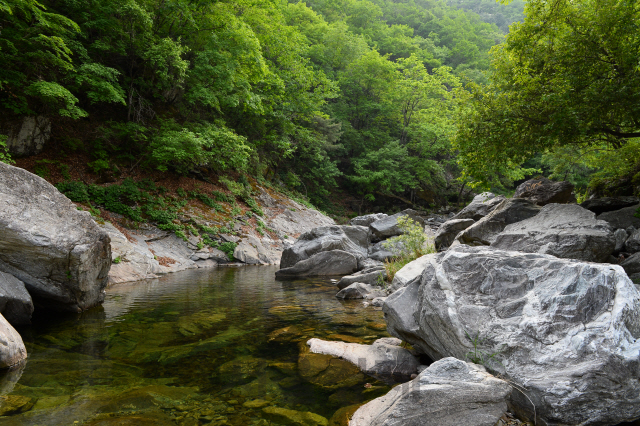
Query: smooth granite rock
point(59, 253)
point(334, 262)
point(485, 231)
point(410, 272)
point(384, 359)
point(567, 333)
point(562, 230)
point(542, 191)
point(373, 276)
point(450, 392)
point(15, 302)
point(351, 239)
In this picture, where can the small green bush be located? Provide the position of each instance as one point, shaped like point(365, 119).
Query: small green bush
point(228, 248)
point(414, 243)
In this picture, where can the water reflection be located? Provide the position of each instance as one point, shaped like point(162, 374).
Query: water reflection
point(223, 346)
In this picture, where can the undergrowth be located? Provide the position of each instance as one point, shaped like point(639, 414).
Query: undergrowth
point(410, 245)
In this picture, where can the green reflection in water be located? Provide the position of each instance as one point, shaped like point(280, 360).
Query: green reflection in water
point(223, 347)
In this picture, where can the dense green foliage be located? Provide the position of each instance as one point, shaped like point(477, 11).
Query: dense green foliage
point(352, 92)
point(565, 84)
point(501, 14)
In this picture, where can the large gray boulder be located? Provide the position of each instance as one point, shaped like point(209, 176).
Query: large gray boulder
point(59, 253)
point(485, 231)
point(384, 359)
point(608, 204)
point(334, 262)
point(351, 239)
point(562, 230)
point(388, 227)
point(15, 302)
point(622, 218)
point(12, 350)
point(385, 250)
point(448, 231)
point(367, 220)
point(481, 206)
point(448, 393)
point(542, 191)
point(566, 333)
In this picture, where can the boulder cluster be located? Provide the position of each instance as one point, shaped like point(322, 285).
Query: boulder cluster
point(528, 305)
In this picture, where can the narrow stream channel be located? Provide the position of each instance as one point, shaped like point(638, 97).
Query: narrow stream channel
point(222, 346)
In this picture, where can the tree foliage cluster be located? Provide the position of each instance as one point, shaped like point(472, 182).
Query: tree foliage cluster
point(352, 92)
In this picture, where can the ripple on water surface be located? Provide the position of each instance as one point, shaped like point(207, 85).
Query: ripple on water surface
point(221, 347)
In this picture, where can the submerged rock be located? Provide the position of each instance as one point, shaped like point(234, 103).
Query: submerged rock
point(448, 393)
point(15, 302)
point(327, 371)
point(563, 331)
point(384, 359)
point(561, 230)
point(542, 191)
point(284, 416)
point(59, 253)
point(334, 262)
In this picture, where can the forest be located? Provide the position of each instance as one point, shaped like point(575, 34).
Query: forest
point(415, 100)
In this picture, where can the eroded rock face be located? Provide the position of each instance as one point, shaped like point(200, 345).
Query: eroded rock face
point(485, 231)
point(351, 239)
point(15, 302)
point(562, 230)
point(481, 206)
point(60, 253)
point(12, 350)
point(388, 227)
point(448, 231)
point(448, 393)
point(384, 359)
point(542, 191)
point(30, 138)
point(334, 262)
point(564, 331)
point(608, 204)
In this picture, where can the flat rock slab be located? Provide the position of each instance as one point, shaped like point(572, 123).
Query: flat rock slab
point(384, 359)
point(334, 262)
point(565, 332)
point(15, 302)
point(448, 393)
point(59, 253)
point(562, 230)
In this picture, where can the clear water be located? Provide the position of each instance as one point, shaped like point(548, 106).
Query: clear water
point(222, 347)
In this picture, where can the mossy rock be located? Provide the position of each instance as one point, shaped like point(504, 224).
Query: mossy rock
point(326, 371)
point(343, 415)
point(287, 417)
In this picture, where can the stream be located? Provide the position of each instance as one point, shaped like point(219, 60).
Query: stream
point(223, 346)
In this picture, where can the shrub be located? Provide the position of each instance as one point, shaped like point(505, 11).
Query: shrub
point(412, 244)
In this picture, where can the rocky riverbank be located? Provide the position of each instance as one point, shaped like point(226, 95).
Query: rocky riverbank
point(537, 290)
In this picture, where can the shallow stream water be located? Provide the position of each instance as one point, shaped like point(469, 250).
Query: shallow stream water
point(222, 347)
